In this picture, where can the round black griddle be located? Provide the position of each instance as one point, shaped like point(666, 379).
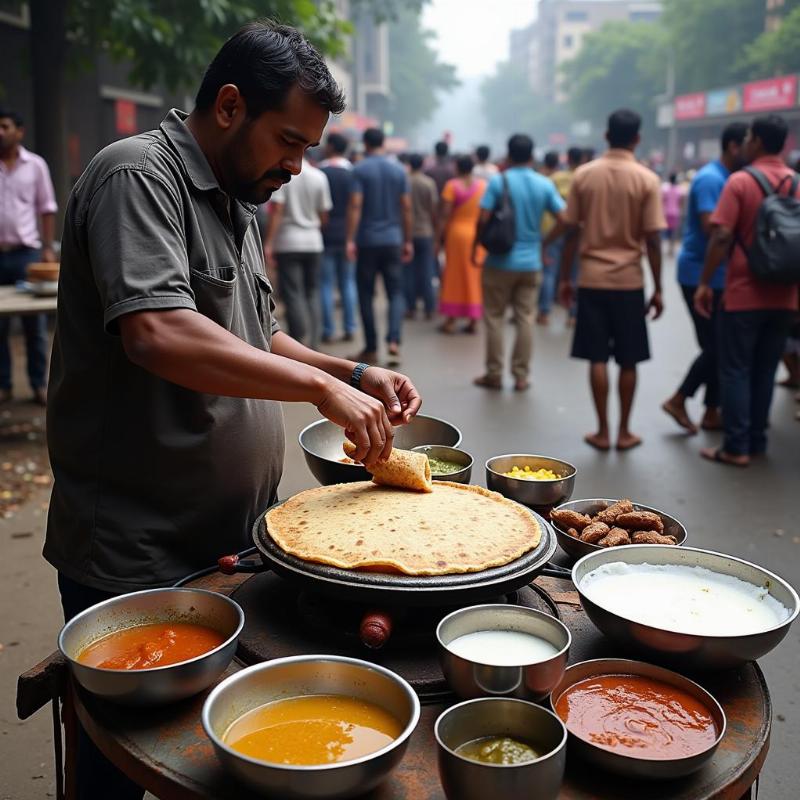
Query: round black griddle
point(383, 589)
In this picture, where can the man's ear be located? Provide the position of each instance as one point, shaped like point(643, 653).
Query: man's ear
point(229, 106)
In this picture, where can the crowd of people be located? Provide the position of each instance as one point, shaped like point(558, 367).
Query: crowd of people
point(581, 226)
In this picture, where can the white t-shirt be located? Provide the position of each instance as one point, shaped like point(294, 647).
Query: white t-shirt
point(303, 199)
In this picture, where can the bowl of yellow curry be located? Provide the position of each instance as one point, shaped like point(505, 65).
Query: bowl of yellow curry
point(539, 482)
point(315, 726)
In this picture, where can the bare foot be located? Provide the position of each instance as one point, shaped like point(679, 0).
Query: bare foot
point(712, 420)
point(488, 382)
point(627, 441)
point(721, 457)
point(600, 441)
point(521, 385)
point(677, 410)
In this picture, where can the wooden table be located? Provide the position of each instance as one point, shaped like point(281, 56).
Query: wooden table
point(14, 302)
point(166, 751)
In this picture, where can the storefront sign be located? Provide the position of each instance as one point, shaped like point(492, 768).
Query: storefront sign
point(724, 101)
point(771, 95)
point(690, 106)
point(125, 117)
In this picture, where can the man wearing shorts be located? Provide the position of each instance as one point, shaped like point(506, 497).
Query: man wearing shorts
point(615, 203)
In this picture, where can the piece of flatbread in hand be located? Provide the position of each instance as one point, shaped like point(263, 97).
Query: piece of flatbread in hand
point(404, 469)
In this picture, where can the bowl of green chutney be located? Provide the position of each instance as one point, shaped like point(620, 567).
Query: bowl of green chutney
point(447, 463)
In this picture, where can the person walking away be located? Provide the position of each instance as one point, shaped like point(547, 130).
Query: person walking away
point(294, 238)
point(672, 200)
point(703, 196)
point(461, 295)
point(337, 269)
point(510, 279)
point(418, 276)
point(27, 224)
point(442, 168)
point(379, 236)
point(616, 204)
point(756, 314)
point(484, 170)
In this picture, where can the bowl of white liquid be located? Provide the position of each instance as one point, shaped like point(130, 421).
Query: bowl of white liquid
point(502, 651)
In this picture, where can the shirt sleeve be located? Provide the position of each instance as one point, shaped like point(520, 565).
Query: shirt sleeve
point(137, 246)
point(325, 201)
point(449, 193)
point(492, 193)
point(706, 194)
point(653, 210)
point(727, 210)
point(45, 194)
point(573, 210)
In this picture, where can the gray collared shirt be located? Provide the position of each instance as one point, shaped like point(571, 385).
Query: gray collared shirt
point(154, 481)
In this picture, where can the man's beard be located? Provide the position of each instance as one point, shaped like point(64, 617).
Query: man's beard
point(254, 191)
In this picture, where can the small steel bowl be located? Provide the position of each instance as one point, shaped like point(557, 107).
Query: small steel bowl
point(296, 676)
point(576, 549)
point(689, 651)
point(469, 679)
point(628, 765)
point(157, 685)
point(465, 779)
point(539, 495)
point(451, 454)
point(322, 446)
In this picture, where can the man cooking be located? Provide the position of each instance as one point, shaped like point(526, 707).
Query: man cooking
point(164, 423)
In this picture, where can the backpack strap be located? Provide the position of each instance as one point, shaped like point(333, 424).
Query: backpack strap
point(761, 180)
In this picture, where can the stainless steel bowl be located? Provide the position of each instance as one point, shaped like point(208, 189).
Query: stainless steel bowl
point(322, 446)
point(577, 549)
point(304, 675)
point(470, 679)
point(453, 455)
point(157, 685)
point(629, 765)
point(464, 779)
point(540, 495)
point(690, 651)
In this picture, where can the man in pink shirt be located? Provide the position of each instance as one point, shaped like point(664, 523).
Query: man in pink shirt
point(756, 314)
point(27, 223)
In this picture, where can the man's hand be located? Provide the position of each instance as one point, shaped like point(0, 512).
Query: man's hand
point(546, 259)
point(48, 255)
point(407, 253)
point(364, 419)
point(704, 300)
point(476, 262)
point(269, 257)
point(351, 251)
point(656, 305)
point(566, 294)
point(398, 395)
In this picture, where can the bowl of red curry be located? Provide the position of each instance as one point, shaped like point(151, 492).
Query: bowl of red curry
point(152, 647)
point(637, 719)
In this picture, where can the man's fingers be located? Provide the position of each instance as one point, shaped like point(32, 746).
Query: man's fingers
point(409, 398)
point(388, 431)
point(377, 441)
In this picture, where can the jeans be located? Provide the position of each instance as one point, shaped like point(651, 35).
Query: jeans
point(704, 370)
point(337, 271)
point(12, 269)
point(298, 283)
point(418, 276)
point(750, 345)
point(385, 261)
point(97, 777)
point(550, 274)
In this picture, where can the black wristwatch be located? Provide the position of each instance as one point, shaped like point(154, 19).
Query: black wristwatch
point(358, 372)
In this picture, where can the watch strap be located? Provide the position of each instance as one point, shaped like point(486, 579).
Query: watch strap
point(358, 372)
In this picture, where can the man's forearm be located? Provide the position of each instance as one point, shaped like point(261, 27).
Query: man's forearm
point(408, 229)
point(353, 220)
point(568, 254)
point(717, 251)
point(654, 259)
point(339, 368)
point(556, 232)
point(273, 222)
point(48, 230)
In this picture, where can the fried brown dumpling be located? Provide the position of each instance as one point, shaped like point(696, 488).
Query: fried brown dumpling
point(652, 537)
point(640, 521)
point(594, 532)
point(614, 538)
point(610, 514)
point(567, 518)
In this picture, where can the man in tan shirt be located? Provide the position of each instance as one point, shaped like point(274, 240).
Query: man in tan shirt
point(615, 205)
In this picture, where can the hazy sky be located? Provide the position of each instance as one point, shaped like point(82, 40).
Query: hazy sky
point(473, 34)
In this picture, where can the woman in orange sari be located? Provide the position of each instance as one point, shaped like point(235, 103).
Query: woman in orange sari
point(461, 295)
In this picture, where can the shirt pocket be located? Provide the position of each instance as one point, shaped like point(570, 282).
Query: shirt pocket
point(215, 293)
point(266, 306)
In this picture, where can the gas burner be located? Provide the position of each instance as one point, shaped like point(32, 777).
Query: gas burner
point(281, 620)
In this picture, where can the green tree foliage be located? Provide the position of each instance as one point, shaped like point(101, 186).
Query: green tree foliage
point(776, 52)
point(416, 75)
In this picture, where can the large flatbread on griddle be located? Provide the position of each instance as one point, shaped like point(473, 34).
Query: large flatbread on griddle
point(453, 529)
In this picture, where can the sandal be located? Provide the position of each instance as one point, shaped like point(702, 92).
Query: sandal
point(719, 456)
point(488, 383)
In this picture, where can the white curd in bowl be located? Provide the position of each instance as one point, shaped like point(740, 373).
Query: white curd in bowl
point(502, 648)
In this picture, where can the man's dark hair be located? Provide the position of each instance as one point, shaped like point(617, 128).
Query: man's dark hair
point(520, 148)
point(623, 127)
point(464, 165)
point(265, 60)
point(415, 161)
point(587, 154)
point(574, 156)
point(14, 116)
point(551, 159)
point(772, 131)
point(733, 132)
point(338, 143)
point(441, 149)
point(373, 138)
point(482, 153)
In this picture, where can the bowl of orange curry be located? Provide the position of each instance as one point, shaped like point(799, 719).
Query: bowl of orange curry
point(152, 647)
point(637, 719)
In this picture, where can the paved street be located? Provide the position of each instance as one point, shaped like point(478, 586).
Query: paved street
point(743, 512)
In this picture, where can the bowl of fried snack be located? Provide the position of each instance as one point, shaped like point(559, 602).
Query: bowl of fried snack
point(585, 526)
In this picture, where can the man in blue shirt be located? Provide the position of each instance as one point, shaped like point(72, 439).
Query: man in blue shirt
point(704, 193)
point(379, 237)
point(511, 279)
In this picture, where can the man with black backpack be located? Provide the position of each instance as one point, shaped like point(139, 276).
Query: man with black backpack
point(757, 221)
